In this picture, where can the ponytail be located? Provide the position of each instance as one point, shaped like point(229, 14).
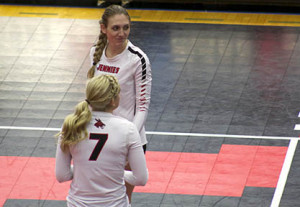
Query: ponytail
point(100, 91)
point(74, 126)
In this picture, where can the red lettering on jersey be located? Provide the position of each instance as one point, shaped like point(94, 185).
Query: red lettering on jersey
point(108, 69)
point(105, 67)
point(113, 69)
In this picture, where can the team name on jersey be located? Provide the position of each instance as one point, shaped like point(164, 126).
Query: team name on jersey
point(108, 69)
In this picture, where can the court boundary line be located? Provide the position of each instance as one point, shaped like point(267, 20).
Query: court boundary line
point(164, 133)
point(283, 173)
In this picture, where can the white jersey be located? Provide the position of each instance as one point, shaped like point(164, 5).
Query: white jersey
point(133, 70)
point(98, 163)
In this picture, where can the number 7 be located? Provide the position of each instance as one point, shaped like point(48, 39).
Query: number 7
point(102, 139)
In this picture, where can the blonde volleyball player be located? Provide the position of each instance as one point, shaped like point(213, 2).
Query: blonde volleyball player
point(115, 54)
point(99, 144)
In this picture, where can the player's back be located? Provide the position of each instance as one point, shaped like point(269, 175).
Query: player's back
point(100, 159)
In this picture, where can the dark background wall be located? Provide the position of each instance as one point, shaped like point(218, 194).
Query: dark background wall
point(221, 5)
point(81, 3)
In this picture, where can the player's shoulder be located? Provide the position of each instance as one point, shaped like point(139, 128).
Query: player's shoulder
point(135, 50)
point(92, 50)
point(120, 120)
point(124, 124)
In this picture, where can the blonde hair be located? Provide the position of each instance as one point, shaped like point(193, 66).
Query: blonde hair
point(102, 40)
point(100, 91)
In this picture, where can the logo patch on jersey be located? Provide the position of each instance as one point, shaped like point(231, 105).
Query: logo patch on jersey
point(108, 69)
point(99, 123)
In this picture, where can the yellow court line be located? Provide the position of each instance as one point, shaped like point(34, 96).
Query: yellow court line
point(156, 15)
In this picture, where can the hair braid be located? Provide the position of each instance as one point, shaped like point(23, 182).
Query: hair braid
point(101, 43)
point(115, 89)
point(105, 88)
point(100, 91)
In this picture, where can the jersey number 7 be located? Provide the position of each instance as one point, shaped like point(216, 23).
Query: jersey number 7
point(101, 142)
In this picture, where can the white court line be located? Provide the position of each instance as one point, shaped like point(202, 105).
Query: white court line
point(284, 173)
point(30, 128)
point(220, 135)
point(297, 126)
point(165, 133)
point(284, 170)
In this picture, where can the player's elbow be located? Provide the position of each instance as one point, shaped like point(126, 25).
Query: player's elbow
point(60, 180)
point(63, 177)
point(144, 182)
point(141, 182)
point(143, 179)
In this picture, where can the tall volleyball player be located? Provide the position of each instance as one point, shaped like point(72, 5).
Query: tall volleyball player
point(115, 54)
point(99, 144)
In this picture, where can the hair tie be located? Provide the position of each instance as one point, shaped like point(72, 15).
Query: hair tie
point(87, 101)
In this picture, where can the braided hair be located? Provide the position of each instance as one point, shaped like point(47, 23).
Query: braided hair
point(102, 40)
point(100, 91)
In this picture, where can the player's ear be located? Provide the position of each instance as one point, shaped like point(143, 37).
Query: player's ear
point(103, 28)
point(112, 102)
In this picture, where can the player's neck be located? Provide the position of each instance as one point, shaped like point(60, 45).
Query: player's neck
point(114, 51)
point(106, 110)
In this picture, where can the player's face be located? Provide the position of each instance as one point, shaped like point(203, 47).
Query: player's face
point(117, 30)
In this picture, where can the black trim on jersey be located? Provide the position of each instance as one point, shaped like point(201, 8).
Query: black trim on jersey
point(143, 61)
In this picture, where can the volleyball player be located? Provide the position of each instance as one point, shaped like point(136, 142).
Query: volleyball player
point(99, 144)
point(115, 54)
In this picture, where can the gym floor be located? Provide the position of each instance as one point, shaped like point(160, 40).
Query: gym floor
point(224, 114)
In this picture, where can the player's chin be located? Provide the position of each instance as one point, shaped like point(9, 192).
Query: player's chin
point(121, 41)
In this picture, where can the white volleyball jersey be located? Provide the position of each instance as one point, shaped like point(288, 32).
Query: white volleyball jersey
point(133, 70)
point(99, 161)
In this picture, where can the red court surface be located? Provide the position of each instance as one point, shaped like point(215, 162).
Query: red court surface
point(223, 174)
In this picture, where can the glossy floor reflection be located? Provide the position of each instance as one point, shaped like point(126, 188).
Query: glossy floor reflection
point(211, 79)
